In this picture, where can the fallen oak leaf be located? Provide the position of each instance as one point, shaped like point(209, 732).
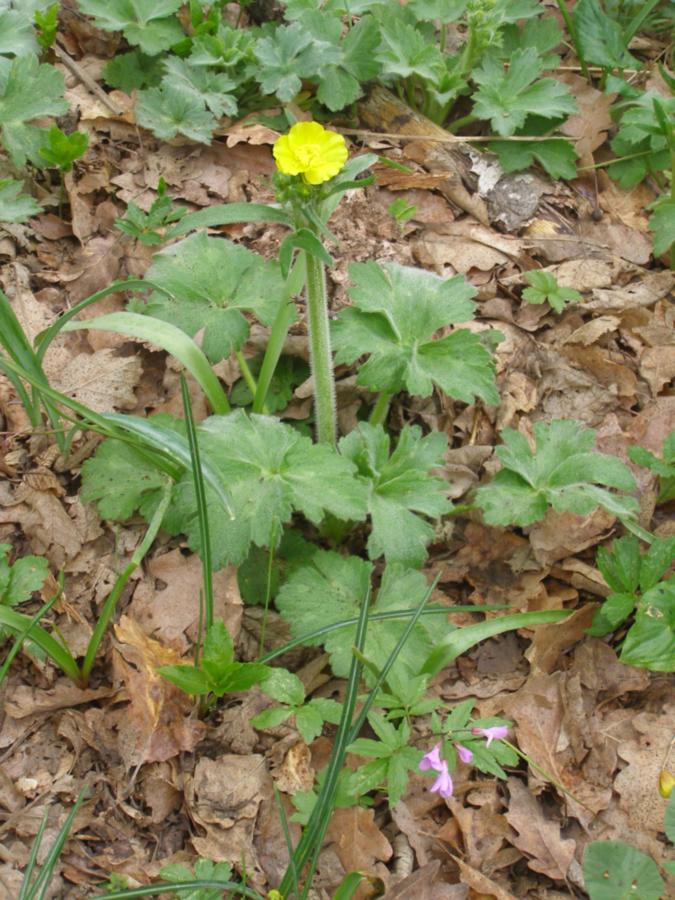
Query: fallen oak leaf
point(537, 837)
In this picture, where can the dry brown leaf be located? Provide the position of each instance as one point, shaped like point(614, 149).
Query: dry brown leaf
point(157, 724)
point(101, 381)
point(170, 610)
point(550, 641)
point(296, 772)
point(224, 797)
point(588, 128)
point(562, 534)
point(358, 842)
point(28, 701)
point(592, 331)
point(538, 837)
point(427, 883)
point(657, 367)
point(483, 886)
point(637, 783)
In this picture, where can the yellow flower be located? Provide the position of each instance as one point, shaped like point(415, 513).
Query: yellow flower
point(311, 151)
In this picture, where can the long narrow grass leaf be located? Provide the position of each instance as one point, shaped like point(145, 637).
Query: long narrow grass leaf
point(18, 623)
point(169, 338)
point(461, 640)
point(43, 881)
point(202, 511)
point(153, 890)
point(228, 214)
point(25, 634)
point(45, 338)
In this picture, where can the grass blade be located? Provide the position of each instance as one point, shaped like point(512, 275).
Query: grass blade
point(169, 338)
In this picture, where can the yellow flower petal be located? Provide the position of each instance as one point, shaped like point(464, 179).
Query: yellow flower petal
point(311, 151)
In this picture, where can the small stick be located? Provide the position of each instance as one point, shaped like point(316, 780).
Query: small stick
point(86, 80)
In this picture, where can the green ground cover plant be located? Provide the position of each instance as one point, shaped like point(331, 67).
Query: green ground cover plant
point(341, 524)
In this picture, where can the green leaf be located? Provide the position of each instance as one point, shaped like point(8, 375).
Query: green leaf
point(28, 90)
point(664, 468)
point(290, 372)
point(309, 723)
point(556, 156)
point(617, 871)
point(189, 679)
point(669, 820)
point(506, 99)
point(131, 71)
point(600, 37)
point(211, 281)
point(271, 471)
point(122, 480)
point(286, 56)
point(614, 610)
point(541, 34)
point(271, 718)
point(642, 139)
point(284, 686)
point(204, 870)
point(400, 486)
point(19, 581)
point(462, 639)
point(650, 642)
point(662, 224)
point(61, 150)
point(545, 289)
point(445, 11)
point(169, 110)
point(564, 473)
point(621, 566)
point(348, 886)
point(148, 24)
point(15, 206)
point(218, 650)
point(207, 87)
point(405, 52)
point(17, 37)
point(332, 589)
point(397, 334)
point(656, 561)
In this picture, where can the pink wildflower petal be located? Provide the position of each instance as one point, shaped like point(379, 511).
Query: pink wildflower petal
point(443, 784)
point(464, 753)
point(432, 760)
point(495, 732)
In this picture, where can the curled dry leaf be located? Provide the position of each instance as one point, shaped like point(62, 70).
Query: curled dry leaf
point(538, 837)
point(158, 723)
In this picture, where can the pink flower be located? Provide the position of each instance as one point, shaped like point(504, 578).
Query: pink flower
point(464, 753)
point(443, 784)
point(432, 760)
point(495, 732)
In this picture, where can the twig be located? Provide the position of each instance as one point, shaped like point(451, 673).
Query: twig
point(86, 80)
point(441, 139)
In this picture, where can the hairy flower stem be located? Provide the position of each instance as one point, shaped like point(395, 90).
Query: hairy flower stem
point(280, 326)
point(320, 351)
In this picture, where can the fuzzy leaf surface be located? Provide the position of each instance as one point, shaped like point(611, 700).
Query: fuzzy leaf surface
point(400, 486)
point(396, 311)
point(15, 206)
point(28, 90)
point(212, 281)
point(270, 471)
point(564, 472)
point(148, 24)
point(333, 588)
point(20, 580)
point(506, 99)
point(170, 109)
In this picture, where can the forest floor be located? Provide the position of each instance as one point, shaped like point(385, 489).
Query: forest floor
point(600, 728)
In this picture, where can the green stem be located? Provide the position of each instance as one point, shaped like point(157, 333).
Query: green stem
point(460, 123)
point(122, 579)
point(547, 775)
point(379, 412)
point(246, 373)
point(567, 18)
point(268, 597)
point(280, 326)
point(320, 352)
point(672, 197)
